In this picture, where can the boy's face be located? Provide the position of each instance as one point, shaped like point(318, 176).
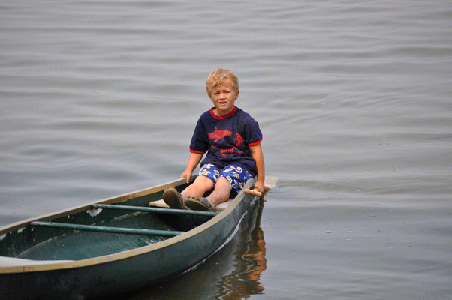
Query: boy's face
point(223, 97)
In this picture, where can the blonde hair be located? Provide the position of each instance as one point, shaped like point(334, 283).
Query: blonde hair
point(218, 77)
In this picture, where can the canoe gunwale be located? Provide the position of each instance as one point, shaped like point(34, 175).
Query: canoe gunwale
point(38, 266)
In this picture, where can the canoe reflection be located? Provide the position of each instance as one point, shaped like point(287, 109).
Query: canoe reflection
point(250, 262)
point(231, 273)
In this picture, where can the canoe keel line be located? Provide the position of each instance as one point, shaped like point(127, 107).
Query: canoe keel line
point(112, 246)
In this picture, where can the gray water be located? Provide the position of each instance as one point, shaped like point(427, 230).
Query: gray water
point(100, 98)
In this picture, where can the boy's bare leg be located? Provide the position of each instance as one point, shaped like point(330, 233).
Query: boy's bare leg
point(197, 189)
point(221, 192)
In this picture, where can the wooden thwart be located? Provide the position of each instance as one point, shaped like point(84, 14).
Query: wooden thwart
point(157, 210)
point(107, 229)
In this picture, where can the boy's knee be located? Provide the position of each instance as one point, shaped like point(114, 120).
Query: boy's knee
point(223, 182)
point(204, 182)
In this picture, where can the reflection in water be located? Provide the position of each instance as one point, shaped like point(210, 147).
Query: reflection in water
point(250, 262)
point(231, 273)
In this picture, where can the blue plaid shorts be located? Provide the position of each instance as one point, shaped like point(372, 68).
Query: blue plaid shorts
point(235, 175)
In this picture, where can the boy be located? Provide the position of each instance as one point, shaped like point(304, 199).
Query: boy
point(232, 140)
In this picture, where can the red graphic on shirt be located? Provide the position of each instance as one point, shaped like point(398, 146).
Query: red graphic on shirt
point(239, 140)
point(219, 134)
point(233, 150)
point(226, 152)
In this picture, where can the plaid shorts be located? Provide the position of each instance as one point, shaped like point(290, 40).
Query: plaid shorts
point(235, 175)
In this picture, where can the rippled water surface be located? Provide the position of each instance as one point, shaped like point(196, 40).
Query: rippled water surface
point(100, 98)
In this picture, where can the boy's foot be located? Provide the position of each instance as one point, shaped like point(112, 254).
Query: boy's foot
point(173, 198)
point(198, 204)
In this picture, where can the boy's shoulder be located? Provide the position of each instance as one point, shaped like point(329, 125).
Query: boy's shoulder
point(243, 115)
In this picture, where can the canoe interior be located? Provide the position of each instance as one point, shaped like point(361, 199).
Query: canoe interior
point(42, 243)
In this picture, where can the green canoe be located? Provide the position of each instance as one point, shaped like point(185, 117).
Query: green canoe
point(111, 246)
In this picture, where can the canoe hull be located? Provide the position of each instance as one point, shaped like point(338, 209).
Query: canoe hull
point(127, 270)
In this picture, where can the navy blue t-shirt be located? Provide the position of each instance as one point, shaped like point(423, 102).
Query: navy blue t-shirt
point(227, 139)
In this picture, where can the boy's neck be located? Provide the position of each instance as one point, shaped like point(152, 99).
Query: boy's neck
point(222, 114)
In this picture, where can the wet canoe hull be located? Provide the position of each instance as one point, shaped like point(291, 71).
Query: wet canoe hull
point(123, 271)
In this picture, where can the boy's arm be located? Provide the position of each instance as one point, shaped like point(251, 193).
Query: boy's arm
point(256, 152)
point(193, 161)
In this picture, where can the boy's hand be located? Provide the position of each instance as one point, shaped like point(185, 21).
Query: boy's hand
point(187, 175)
point(259, 186)
point(193, 161)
